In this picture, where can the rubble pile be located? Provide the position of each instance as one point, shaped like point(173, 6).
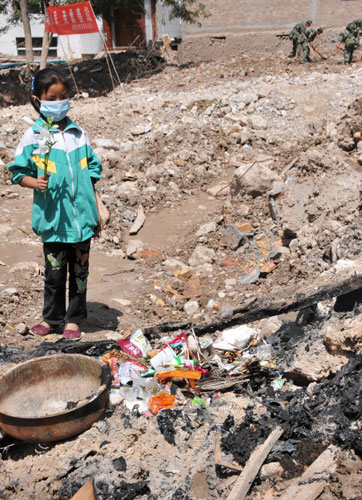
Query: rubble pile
point(232, 194)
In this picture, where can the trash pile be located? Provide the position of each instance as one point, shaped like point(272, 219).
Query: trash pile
point(150, 378)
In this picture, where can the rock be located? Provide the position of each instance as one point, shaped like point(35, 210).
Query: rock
point(232, 237)
point(113, 158)
point(127, 188)
point(100, 142)
point(314, 364)
point(201, 255)
point(251, 277)
point(11, 291)
point(128, 215)
point(278, 252)
point(257, 122)
point(133, 246)
point(349, 339)
point(205, 269)
point(256, 182)
point(245, 227)
point(103, 210)
point(191, 307)
point(140, 130)
point(228, 261)
point(26, 267)
point(126, 147)
point(170, 263)
point(138, 223)
point(269, 326)
point(271, 471)
point(22, 329)
point(183, 274)
point(207, 228)
point(267, 268)
point(2, 145)
point(222, 189)
point(122, 302)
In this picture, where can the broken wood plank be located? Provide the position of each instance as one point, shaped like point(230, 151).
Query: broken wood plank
point(170, 54)
point(313, 481)
point(290, 299)
point(87, 491)
point(252, 467)
point(138, 223)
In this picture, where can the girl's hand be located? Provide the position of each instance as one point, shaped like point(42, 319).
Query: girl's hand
point(42, 182)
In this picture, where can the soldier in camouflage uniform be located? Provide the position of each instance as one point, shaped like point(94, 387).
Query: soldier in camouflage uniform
point(294, 35)
point(26, 76)
point(358, 22)
point(353, 28)
point(351, 42)
point(305, 40)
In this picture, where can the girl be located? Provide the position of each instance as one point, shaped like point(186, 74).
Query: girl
point(65, 211)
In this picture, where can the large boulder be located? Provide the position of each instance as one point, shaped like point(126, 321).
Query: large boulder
point(256, 182)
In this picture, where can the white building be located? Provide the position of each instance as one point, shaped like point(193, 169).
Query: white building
point(155, 23)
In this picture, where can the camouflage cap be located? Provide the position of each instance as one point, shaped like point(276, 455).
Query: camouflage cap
point(309, 21)
point(320, 30)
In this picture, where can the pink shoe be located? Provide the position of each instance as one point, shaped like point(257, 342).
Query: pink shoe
point(41, 330)
point(71, 334)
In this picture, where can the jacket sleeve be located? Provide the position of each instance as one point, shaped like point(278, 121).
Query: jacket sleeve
point(94, 164)
point(23, 165)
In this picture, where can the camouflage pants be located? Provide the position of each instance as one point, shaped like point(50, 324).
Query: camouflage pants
point(348, 54)
point(306, 52)
point(61, 258)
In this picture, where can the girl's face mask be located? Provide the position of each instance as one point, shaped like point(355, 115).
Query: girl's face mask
point(55, 109)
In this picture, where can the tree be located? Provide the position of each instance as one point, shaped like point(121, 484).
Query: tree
point(27, 31)
point(188, 11)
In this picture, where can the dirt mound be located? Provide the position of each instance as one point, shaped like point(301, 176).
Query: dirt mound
point(91, 75)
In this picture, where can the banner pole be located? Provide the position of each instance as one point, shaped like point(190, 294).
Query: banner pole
point(69, 67)
point(106, 49)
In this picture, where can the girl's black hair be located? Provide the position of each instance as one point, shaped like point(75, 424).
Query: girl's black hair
point(44, 79)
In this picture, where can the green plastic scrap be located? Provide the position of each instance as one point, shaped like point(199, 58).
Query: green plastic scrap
point(199, 402)
point(278, 383)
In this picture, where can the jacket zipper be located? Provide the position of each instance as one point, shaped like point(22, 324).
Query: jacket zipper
point(73, 192)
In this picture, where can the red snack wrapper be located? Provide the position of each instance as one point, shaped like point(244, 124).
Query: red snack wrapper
point(130, 348)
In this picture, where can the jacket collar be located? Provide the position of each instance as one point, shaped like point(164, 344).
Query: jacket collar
point(68, 125)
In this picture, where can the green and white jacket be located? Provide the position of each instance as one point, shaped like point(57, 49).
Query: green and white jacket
point(68, 211)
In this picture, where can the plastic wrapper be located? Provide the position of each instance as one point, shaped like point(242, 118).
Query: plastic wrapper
point(162, 401)
point(130, 371)
point(137, 338)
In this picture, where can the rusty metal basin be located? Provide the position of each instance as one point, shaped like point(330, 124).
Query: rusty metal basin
point(53, 397)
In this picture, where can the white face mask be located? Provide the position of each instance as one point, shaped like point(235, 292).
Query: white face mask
point(55, 109)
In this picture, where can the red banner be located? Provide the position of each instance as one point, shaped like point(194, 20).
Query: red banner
point(72, 19)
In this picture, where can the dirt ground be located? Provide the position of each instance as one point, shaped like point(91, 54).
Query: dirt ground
point(248, 172)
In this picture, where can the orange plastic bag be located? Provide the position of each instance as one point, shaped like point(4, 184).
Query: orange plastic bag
point(161, 402)
point(189, 374)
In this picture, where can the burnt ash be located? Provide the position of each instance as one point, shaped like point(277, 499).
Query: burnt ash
point(330, 414)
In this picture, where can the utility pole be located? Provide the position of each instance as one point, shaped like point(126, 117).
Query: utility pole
point(27, 31)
